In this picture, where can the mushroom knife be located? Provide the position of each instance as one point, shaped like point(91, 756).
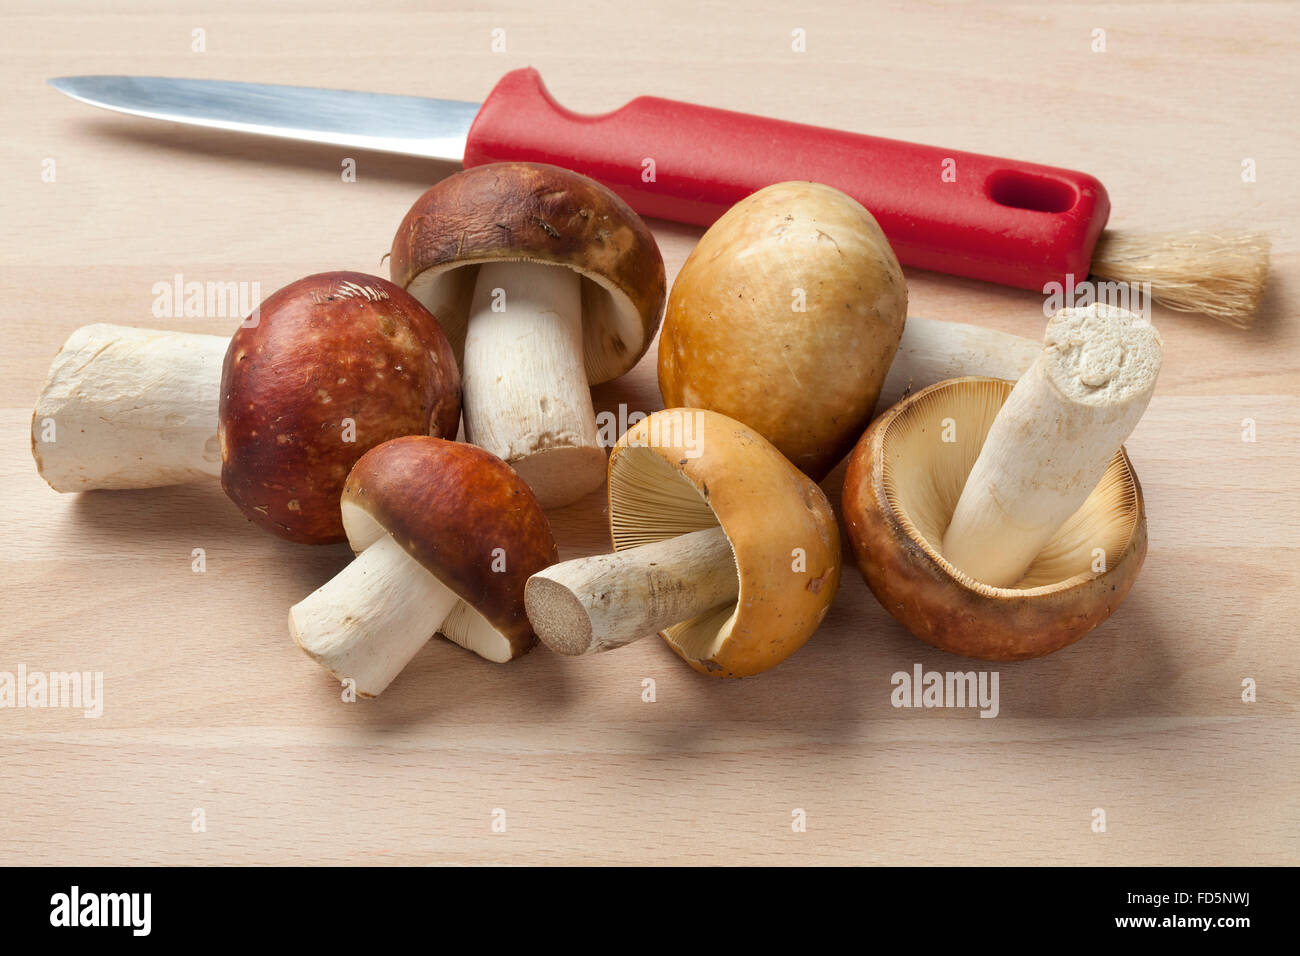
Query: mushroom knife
point(1015, 223)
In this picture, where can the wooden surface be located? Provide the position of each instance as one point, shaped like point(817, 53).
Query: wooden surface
point(209, 706)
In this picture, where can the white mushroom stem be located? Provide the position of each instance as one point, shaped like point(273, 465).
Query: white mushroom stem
point(602, 602)
point(526, 397)
point(1052, 441)
point(369, 620)
point(931, 351)
point(129, 408)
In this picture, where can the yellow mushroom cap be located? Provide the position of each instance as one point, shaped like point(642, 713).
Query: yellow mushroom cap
point(683, 470)
point(786, 316)
point(900, 490)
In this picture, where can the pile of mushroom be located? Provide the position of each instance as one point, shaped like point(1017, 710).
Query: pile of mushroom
point(993, 519)
point(1004, 522)
point(546, 283)
point(326, 368)
point(720, 543)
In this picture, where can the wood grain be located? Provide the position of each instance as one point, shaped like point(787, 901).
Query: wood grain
point(209, 706)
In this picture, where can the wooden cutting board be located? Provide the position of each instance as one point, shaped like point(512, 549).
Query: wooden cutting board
point(220, 742)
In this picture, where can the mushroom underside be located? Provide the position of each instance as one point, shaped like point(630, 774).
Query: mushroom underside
point(929, 449)
point(612, 327)
point(651, 501)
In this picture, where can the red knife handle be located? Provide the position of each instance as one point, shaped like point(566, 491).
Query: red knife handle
point(1018, 224)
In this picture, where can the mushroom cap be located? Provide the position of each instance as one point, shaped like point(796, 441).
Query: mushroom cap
point(544, 214)
point(900, 490)
point(683, 470)
point(734, 339)
point(469, 519)
point(329, 348)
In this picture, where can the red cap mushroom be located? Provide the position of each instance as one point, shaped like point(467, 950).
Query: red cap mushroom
point(336, 364)
point(446, 535)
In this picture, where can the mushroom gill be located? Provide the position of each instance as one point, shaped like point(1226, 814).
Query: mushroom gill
point(651, 501)
point(929, 450)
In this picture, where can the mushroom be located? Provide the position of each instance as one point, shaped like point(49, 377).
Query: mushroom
point(325, 369)
point(545, 282)
point(786, 317)
point(445, 536)
point(720, 544)
point(340, 362)
point(1053, 440)
point(973, 439)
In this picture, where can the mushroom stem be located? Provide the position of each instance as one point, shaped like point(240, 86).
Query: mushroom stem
point(526, 396)
point(370, 619)
point(1052, 440)
point(602, 602)
point(129, 408)
point(931, 351)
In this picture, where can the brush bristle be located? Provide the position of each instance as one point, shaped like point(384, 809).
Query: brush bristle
point(1220, 274)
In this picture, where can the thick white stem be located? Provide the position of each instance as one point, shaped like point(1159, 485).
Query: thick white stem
point(369, 620)
point(932, 351)
point(602, 602)
point(129, 408)
point(526, 396)
point(1053, 440)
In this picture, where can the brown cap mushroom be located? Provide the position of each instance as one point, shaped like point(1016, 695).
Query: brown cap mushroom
point(786, 317)
point(336, 364)
point(445, 536)
point(545, 282)
point(900, 491)
point(720, 543)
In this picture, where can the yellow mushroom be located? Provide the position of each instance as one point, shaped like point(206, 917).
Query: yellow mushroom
point(721, 544)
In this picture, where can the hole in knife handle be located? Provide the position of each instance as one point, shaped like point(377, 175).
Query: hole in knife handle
point(1019, 190)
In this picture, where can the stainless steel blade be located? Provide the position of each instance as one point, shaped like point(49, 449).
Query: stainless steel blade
point(411, 125)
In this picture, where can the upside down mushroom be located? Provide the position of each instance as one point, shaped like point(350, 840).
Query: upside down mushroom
point(1004, 521)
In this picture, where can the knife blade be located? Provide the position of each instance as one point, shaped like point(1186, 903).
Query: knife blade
point(389, 123)
point(1016, 223)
